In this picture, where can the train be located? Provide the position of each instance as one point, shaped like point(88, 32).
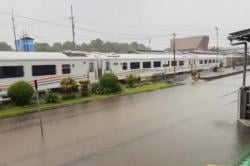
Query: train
point(49, 68)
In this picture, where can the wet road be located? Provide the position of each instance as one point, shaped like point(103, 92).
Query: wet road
point(189, 125)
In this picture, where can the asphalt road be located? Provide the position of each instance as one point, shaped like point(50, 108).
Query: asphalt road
point(191, 125)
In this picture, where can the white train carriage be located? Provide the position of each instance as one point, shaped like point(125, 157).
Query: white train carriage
point(203, 61)
point(47, 68)
point(143, 65)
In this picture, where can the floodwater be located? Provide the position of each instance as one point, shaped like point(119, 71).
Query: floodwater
point(192, 125)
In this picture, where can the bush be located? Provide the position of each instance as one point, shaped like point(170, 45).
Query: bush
point(50, 97)
point(69, 85)
point(194, 72)
point(84, 87)
point(21, 93)
point(96, 89)
point(108, 84)
point(131, 80)
point(215, 69)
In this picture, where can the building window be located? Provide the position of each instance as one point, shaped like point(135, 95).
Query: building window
point(181, 63)
point(91, 67)
point(205, 61)
point(107, 66)
point(124, 66)
point(146, 65)
point(66, 69)
point(41, 70)
point(11, 71)
point(115, 64)
point(173, 63)
point(157, 64)
point(135, 65)
point(210, 61)
point(201, 62)
point(213, 60)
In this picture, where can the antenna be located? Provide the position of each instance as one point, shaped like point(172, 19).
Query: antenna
point(73, 26)
point(14, 29)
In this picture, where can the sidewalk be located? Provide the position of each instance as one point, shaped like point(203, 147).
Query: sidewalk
point(210, 75)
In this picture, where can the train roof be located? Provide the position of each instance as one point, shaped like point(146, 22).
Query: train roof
point(42, 56)
point(136, 56)
point(152, 56)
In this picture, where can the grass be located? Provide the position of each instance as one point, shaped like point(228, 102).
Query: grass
point(11, 110)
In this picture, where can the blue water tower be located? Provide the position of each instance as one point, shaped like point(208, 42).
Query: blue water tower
point(25, 44)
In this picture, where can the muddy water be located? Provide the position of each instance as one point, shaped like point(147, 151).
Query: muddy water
point(193, 125)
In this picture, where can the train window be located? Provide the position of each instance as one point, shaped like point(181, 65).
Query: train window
point(124, 66)
point(174, 63)
point(91, 67)
point(205, 61)
point(166, 64)
point(66, 69)
point(135, 65)
point(107, 66)
point(201, 62)
point(181, 63)
point(41, 70)
point(157, 64)
point(11, 71)
point(210, 61)
point(146, 65)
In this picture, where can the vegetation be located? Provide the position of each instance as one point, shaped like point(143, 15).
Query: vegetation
point(109, 83)
point(69, 87)
point(131, 80)
point(11, 110)
point(84, 87)
point(50, 97)
point(5, 47)
point(194, 72)
point(94, 45)
point(21, 93)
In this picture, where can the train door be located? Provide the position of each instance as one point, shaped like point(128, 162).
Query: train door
point(107, 68)
point(91, 71)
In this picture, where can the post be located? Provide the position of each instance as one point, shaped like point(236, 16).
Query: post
point(73, 26)
point(174, 51)
point(244, 61)
point(14, 29)
point(39, 108)
point(245, 65)
point(217, 44)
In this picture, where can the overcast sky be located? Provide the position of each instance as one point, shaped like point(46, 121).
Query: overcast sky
point(126, 20)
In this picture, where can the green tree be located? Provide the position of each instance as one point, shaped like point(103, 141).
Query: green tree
point(68, 45)
point(42, 47)
point(57, 47)
point(5, 47)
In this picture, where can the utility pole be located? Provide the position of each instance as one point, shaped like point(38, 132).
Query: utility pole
point(14, 29)
point(149, 43)
point(174, 52)
point(217, 44)
point(72, 18)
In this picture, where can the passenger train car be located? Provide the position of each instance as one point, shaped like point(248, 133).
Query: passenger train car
point(145, 65)
point(50, 68)
point(47, 68)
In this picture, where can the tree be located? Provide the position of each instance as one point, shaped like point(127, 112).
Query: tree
point(5, 47)
point(68, 45)
point(42, 47)
point(57, 47)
